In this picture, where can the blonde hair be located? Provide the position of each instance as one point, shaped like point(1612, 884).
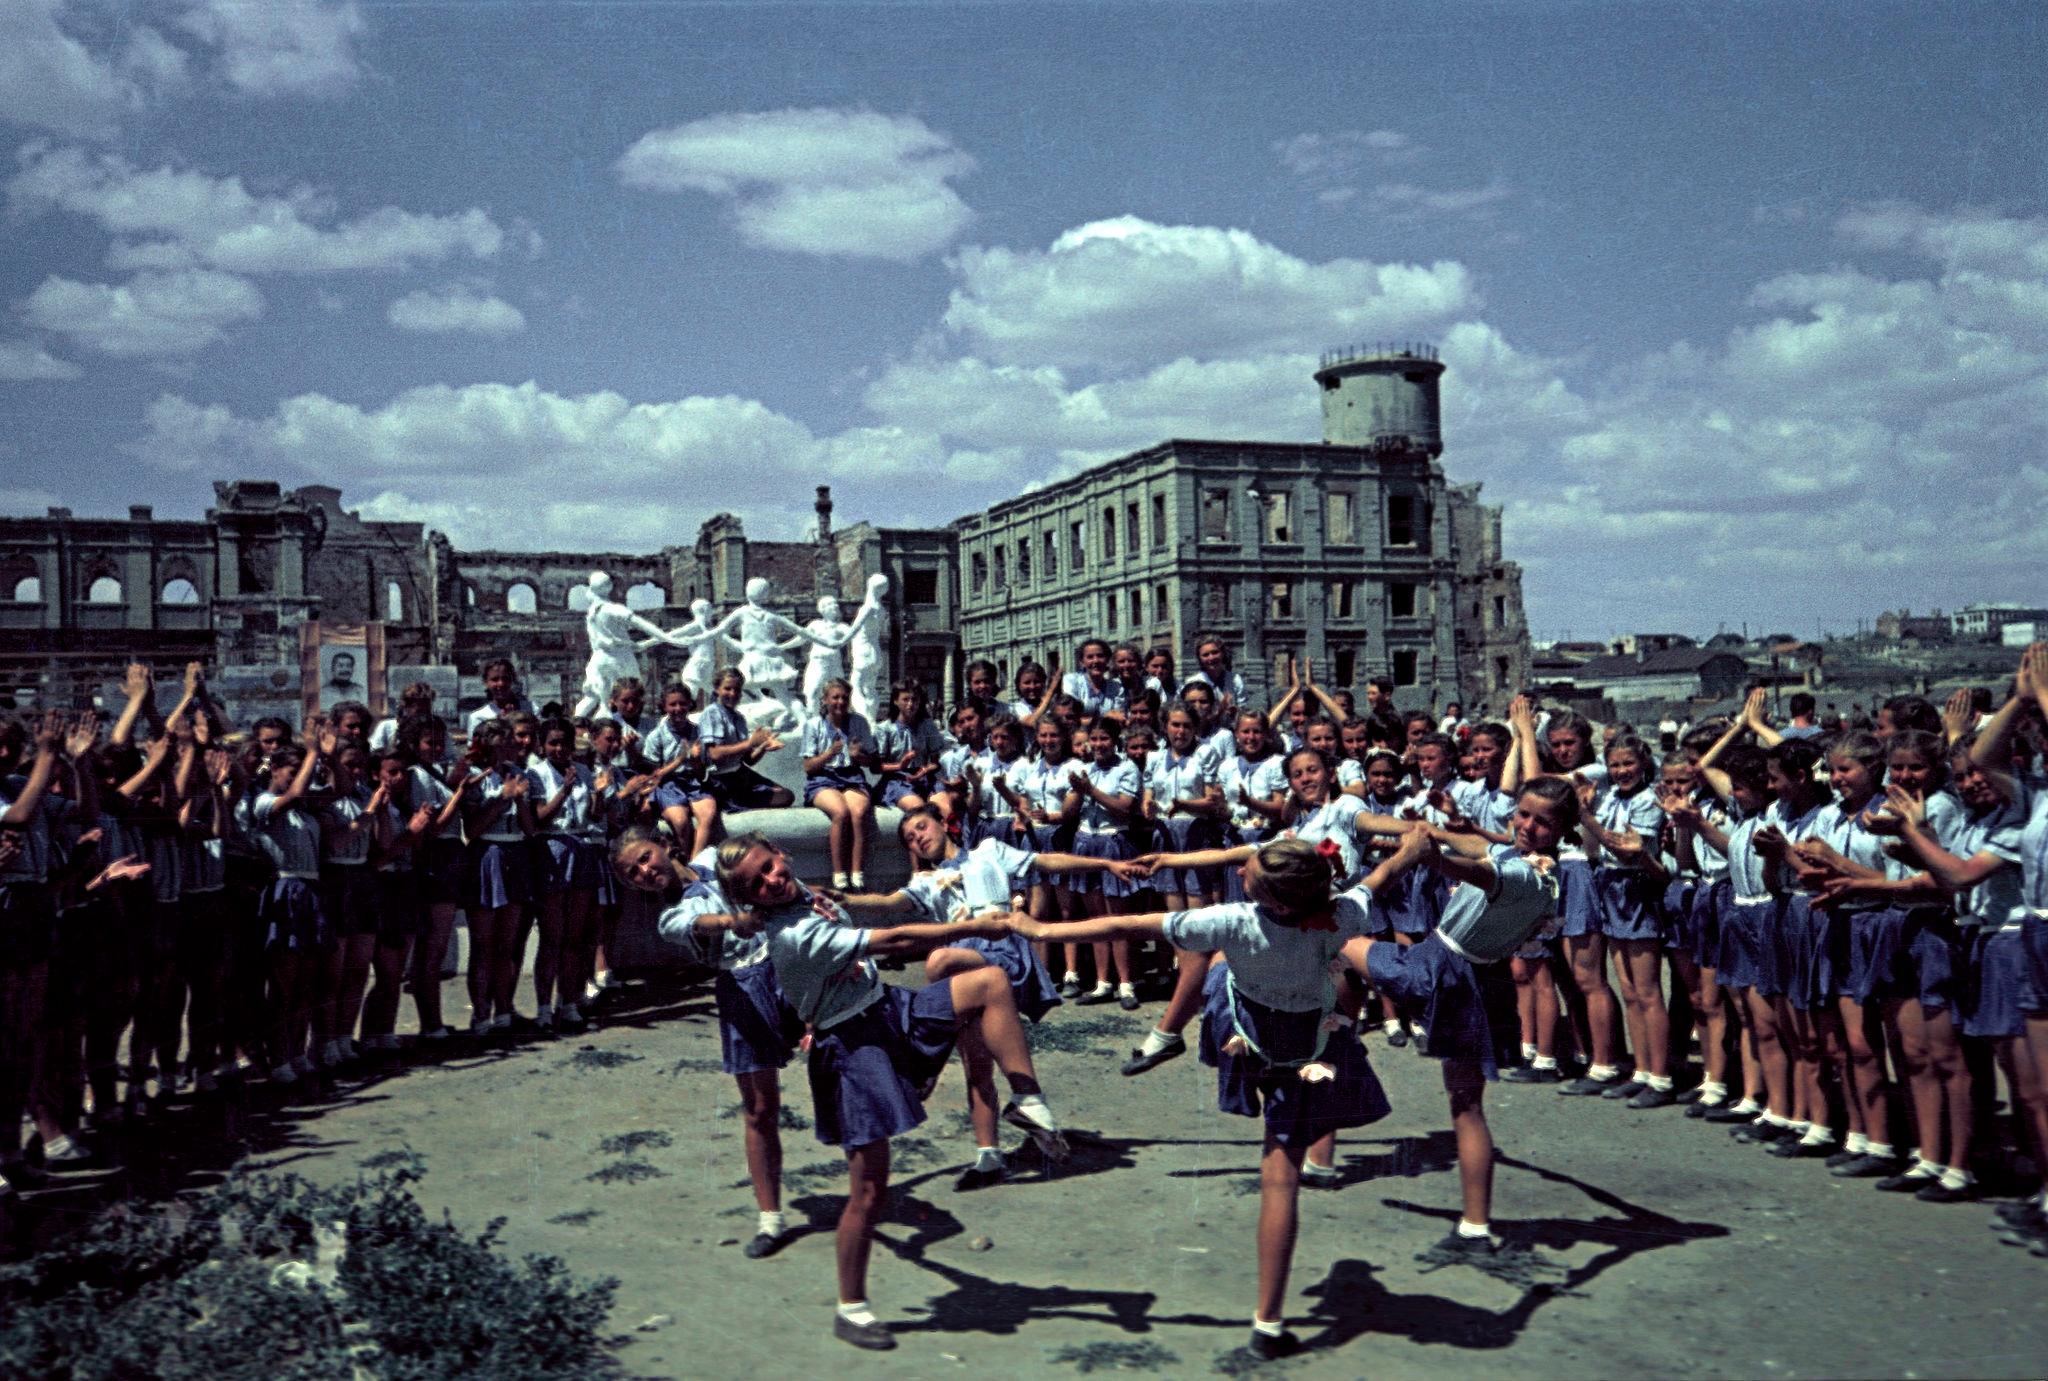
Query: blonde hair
point(731, 854)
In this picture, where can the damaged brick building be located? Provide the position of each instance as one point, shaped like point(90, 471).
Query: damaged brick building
point(1356, 551)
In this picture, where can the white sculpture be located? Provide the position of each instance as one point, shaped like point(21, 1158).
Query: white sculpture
point(828, 635)
point(614, 651)
point(759, 644)
point(864, 637)
point(702, 641)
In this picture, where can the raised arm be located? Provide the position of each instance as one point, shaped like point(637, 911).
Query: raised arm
point(1276, 716)
point(1754, 719)
point(1308, 683)
point(49, 738)
point(1525, 756)
point(1992, 752)
point(136, 686)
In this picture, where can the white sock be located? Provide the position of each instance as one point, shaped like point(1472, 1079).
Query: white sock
point(1749, 1104)
point(1818, 1135)
point(856, 1312)
point(1856, 1142)
point(1466, 1229)
point(841, 881)
point(1071, 977)
point(1923, 1168)
point(1955, 1177)
point(1156, 1041)
point(1126, 990)
point(1881, 1149)
point(1659, 1082)
point(1034, 1106)
point(1101, 988)
point(1543, 1062)
point(1603, 1072)
point(1528, 1051)
point(859, 880)
point(769, 1224)
point(1270, 1330)
point(1713, 1092)
point(1309, 1167)
point(988, 1158)
point(1392, 1028)
point(1800, 1127)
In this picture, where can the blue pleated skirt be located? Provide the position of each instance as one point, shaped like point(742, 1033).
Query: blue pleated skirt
point(1296, 1113)
point(1002, 829)
point(1415, 902)
point(1631, 903)
point(1185, 834)
point(866, 1072)
point(574, 865)
point(1810, 942)
point(1578, 905)
point(500, 874)
point(757, 1028)
point(292, 917)
point(1030, 982)
point(1468, 1009)
point(1896, 954)
point(1748, 956)
point(1095, 844)
point(2034, 935)
point(1998, 983)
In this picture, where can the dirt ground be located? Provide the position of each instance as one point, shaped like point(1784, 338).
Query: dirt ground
point(1660, 1247)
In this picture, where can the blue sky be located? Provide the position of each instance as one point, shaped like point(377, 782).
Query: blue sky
point(1745, 307)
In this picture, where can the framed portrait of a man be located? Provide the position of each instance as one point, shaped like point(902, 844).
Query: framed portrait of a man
point(341, 662)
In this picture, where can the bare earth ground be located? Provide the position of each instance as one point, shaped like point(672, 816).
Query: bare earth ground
point(1661, 1248)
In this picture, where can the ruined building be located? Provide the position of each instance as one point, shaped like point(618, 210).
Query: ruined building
point(1356, 552)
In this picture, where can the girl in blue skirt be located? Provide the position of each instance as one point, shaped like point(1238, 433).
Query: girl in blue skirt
point(569, 811)
point(876, 1047)
point(1623, 828)
point(295, 928)
point(1456, 979)
point(950, 884)
point(758, 1031)
point(1270, 1033)
point(1184, 802)
point(837, 748)
point(1101, 799)
point(499, 880)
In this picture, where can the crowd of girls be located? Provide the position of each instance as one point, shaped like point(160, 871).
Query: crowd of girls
point(1850, 920)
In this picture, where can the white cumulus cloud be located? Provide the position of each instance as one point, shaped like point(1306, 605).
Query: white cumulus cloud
point(1126, 292)
point(507, 465)
point(172, 218)
point(455, 308)
point(21, 361)
point(52, 78)
point(828, 182)
point(281, 47)
point(152, 315)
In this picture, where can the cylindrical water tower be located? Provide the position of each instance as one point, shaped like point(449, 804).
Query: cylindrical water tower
point(1382, 395)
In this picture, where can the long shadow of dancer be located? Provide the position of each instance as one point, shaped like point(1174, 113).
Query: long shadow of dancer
point(1351, 1301)
point(976, 1303)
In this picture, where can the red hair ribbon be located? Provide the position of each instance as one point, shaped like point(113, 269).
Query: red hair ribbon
point(1329, 849)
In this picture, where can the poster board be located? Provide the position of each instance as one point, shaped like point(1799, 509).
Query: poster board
point(340, 661)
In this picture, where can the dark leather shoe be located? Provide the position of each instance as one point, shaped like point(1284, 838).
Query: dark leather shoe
point(871, 1336)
